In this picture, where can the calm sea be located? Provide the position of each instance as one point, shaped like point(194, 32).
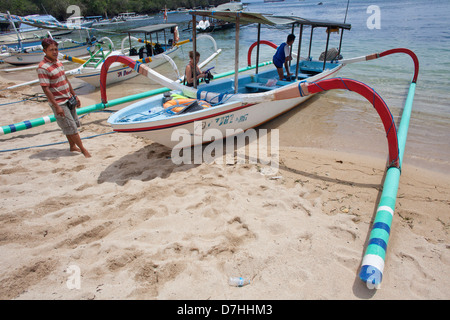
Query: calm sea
point(421, 26)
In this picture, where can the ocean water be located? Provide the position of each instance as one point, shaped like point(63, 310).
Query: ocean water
point(421, 26)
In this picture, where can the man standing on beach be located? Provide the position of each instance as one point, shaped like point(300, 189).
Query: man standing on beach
point(58, 90)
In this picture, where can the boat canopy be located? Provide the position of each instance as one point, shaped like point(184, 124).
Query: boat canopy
point(262, 18)
point(151, 28)
point(242, 17)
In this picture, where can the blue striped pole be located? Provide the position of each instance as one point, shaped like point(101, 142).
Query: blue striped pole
point(373, 262)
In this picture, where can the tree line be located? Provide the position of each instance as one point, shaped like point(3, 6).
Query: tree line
point(105, 8)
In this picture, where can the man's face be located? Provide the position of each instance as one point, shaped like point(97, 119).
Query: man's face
point(52, 52)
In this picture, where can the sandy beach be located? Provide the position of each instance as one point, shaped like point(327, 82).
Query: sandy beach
point(134, 225)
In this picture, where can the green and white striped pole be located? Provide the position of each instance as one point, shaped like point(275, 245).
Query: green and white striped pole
point(372, 265)
point(28, 124)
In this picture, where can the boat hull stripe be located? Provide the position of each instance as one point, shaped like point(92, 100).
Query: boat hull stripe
point(181, 123)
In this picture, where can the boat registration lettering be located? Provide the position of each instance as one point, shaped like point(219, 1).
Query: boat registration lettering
point(228, 119)
point(124, 73)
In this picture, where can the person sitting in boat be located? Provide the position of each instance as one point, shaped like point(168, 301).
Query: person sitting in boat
point(189, 73)
point(158, 48)
point(283, 56)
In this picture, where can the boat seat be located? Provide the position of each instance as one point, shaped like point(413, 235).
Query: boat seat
point(280, 83)
point(259, 86)
point(311, 70)
point(302, 75)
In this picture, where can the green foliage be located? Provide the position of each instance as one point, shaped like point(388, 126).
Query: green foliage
point(111, 8)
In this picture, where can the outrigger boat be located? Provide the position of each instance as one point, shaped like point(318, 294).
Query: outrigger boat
point(19, 28)
point(123, 21)
point(149, 117)
point(160, 45)
point(242, 102)
point(25, 55)
point(35, 54)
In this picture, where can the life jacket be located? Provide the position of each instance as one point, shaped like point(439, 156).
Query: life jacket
point(178, 105)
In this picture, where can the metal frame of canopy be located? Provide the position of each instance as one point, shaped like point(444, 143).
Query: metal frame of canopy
point(239, 17)
point(149, 30)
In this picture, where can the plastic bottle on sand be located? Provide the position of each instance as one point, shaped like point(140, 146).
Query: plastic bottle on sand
point(238, 281)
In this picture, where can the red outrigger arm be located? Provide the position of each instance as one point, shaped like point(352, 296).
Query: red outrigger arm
point(304, 89)
point(386, 53)
point(122, 59)
point(410, 53)
point(249, 54)
point(307, 88)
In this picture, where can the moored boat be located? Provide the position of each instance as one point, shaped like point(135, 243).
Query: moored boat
point(123, 21)
point(157, 47)
point(35, 54)
point(29, 28)
point(241, 102)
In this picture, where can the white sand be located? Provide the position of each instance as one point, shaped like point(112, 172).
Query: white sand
point(137, 226)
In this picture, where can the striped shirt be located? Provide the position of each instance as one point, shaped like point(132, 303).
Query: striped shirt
point(51, 74)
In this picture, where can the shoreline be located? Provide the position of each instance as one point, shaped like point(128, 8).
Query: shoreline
point(137, 226)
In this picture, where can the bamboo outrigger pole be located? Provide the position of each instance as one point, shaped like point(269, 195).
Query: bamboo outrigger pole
point(28, 124)
point(372, 265)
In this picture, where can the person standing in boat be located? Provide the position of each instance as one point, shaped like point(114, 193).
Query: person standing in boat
point(59, 92)
point(189, 73)
point(283, 56)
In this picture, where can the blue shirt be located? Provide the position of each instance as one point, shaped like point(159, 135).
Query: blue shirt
point(280, 56)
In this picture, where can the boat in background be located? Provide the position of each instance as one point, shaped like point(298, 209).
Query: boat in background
point(27, 32)
point(123, 21)
point(80, 22)
point(229, 6)
point(212, 25)
point(25, 54)
point(159, 45)
point(35, 54)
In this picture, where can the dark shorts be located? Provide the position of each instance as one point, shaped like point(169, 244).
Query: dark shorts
point(70, 123)
point(277, 63)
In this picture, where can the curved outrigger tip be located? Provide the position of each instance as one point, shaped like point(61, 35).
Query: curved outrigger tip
point(306, 88)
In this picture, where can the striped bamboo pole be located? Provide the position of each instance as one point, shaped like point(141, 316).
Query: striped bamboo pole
point(28, 124)
point(373, 262)
point(372, 266)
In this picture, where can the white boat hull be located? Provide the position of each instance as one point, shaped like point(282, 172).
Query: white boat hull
point(180, 131)
point(237, 119)
point(33, 57)
point(118, 72)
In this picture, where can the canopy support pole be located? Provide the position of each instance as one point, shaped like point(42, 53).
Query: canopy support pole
point(310, 42)
point(298, 51)
point(257, 48)
point(326, 49)
point(194, 44)
point(236, 55)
